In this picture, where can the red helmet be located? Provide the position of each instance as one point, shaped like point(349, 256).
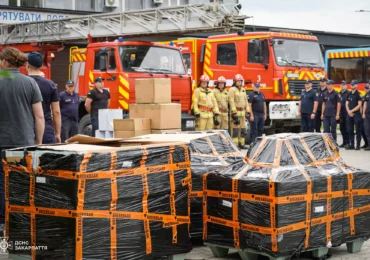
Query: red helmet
point(204, 78)
point(238, 77)
point(221, 80)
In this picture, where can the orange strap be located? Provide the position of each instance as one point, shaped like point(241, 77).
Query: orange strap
point(145, 203)
point(80, 206)
point(113, 207)
point(209, 109)
point(205, 212)
point(118, 173)
point(187, 159)
point(172, 195)
point(240, 108)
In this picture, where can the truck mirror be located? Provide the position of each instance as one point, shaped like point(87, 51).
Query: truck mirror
point(103, 59)
point(103, 63)
point(254, 47)
point(103, 51)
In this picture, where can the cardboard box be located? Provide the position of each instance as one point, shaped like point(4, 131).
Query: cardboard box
point(163, 116)
point(153, 91)
point(129, 134)
point(156, 131)
point(135, 124)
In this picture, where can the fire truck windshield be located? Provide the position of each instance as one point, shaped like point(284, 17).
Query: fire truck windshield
point(151, 59)
point(298, 53)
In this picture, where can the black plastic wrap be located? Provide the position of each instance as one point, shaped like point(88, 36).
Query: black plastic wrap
point(214, 152)
point(294, 193)
point(127, 203)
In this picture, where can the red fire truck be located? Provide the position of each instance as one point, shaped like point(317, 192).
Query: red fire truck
point(120, 62)
point(279, 61)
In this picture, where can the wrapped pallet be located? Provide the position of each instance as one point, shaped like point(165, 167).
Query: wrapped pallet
point(98, 202)
point(209, 150)
point(294, 193)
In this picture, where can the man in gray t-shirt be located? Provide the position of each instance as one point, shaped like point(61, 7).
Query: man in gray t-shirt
point(18, 95)
point(21, 116)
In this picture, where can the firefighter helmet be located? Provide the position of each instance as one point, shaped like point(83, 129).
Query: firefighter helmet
point(204, 78)
point(238, 77)
point(221, 80)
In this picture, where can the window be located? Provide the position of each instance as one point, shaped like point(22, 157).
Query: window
point(187, 60)
point(298, 53)
point(258, 51)
point(112, 60)
point(31, 3)
point(346, 69)
point(134, 5)
point(151, 59)
point(101, 60)
point(85, 5)
point(57, 4)
point(226, 54)
point(367, 69)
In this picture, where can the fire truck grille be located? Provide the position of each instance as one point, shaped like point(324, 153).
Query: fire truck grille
point(296, 86)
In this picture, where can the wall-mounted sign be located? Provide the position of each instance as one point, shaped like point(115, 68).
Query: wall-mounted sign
point(18, 16)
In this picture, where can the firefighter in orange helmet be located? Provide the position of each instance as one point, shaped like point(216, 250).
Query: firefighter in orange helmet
point(221, 94)
point(239, 108)
point(205, 105)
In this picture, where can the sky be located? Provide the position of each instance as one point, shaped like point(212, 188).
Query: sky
point(321, 15)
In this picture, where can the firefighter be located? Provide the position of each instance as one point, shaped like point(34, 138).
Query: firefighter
point(239, 109)
point(222, 97)
point(307, 107)
point(343, 113)
point(320, 95)
point(353, 106)
point(331, 110)
point(258, 110)
point(205, 105)
point(366, 115)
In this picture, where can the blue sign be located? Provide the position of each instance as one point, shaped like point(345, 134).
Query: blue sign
point(23, 16)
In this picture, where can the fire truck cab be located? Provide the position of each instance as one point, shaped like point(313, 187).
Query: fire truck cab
point(120, 64)
point(279, 61)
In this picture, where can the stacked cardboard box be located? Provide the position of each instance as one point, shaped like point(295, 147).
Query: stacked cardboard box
point(294, 193)
point(126, 128)
point(153, 100)
point(98, 202)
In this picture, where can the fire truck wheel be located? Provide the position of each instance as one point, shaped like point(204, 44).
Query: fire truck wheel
point(84, 126)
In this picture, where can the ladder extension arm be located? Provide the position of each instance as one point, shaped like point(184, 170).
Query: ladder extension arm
point(171, 20)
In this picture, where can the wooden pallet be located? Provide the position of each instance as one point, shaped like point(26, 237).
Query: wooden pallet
point(251, 254)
